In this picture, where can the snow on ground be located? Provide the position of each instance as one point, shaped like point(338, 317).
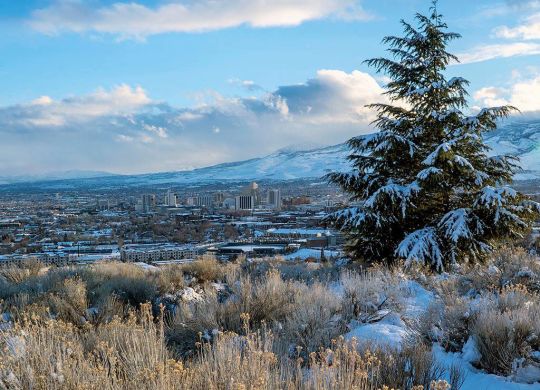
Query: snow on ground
point(415, 298)
point(392, 331)
point(146, 267)
point(306, 253)
point(189, 294)
point(5, 321)
point(476, 379)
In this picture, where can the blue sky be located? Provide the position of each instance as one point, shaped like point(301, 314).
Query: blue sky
point(144, 86)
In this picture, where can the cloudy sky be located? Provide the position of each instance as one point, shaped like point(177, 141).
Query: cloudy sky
point(132, 86)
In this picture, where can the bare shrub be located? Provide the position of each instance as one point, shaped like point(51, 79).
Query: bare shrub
point(234, 361)
point(367, 292)
point(132, 353)
point(507, 330)
point(169, 279)
point(205, 269)
point(191, 324)
point(22, 271)
point(107, 309)
point(14, 274)
point(268, 299)
point(410, 366)
point(69, 302)
point(314, 321)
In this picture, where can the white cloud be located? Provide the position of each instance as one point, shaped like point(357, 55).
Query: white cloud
point(333, 96)
point(503, 50)
point(525, 95)
point(522, 94)
point(123, 130)
point(491, 96)
point(158, 130)
point(508, 7)
point(524, 35)
point(528, 30)
point(133, 20)
point(44, 111)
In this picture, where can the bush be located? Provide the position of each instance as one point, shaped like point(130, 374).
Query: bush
point(507, 330)
point(205, 269)
point(314, 321)
point(367, 292)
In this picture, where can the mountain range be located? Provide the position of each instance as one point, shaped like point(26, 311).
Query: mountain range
point(518, 137)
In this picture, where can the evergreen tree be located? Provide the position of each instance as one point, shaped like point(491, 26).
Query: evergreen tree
point(427, 189)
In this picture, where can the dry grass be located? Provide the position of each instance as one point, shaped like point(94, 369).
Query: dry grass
point(507, 329)
point(132, 354)
point(205, 269)
point(368, 292)
point(269, 323)
point(314, 321)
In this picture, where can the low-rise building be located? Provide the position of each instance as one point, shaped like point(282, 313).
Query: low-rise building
point(148, 253)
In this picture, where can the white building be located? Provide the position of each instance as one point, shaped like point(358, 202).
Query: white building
point(274, 199)
point(244, 202)
point(171, 199)
point(205, 201)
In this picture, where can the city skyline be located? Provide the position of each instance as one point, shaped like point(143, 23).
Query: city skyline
point(153, 86)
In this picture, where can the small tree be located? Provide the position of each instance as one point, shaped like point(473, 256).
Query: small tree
point(426, 188)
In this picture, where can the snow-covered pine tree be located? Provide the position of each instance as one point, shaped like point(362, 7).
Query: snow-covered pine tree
point(427, 189)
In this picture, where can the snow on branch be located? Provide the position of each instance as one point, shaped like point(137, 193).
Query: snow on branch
point(396, 193)
point(455, 225)
point(421, 246)
point(354, 217)
point(386, 139)
point(462, 161)
point(442, 148)
point(425, 174)
point(495, 197)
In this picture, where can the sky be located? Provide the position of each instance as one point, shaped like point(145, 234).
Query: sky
point(136, 86)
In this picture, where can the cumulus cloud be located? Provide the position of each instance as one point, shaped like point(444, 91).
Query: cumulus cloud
point(522, 94)
point(491, 96)
point(135, 20)
point(44, 111)
point(123, 130)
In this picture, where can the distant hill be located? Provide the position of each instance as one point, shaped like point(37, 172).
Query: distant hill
point(50, 176)
point(519, 137)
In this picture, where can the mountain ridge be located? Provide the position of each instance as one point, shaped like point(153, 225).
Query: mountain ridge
point(519, 137)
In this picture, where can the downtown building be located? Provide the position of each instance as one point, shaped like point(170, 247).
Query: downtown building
point(274, 199)
point(244, 202)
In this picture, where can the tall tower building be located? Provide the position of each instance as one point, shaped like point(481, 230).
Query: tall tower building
point(148, 202)
point(171, 199)
point(274, 199)
point(244, 202)
point(205, 201)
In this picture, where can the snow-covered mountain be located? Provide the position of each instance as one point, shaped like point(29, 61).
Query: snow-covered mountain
point(521, 138)
point(285, 164)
